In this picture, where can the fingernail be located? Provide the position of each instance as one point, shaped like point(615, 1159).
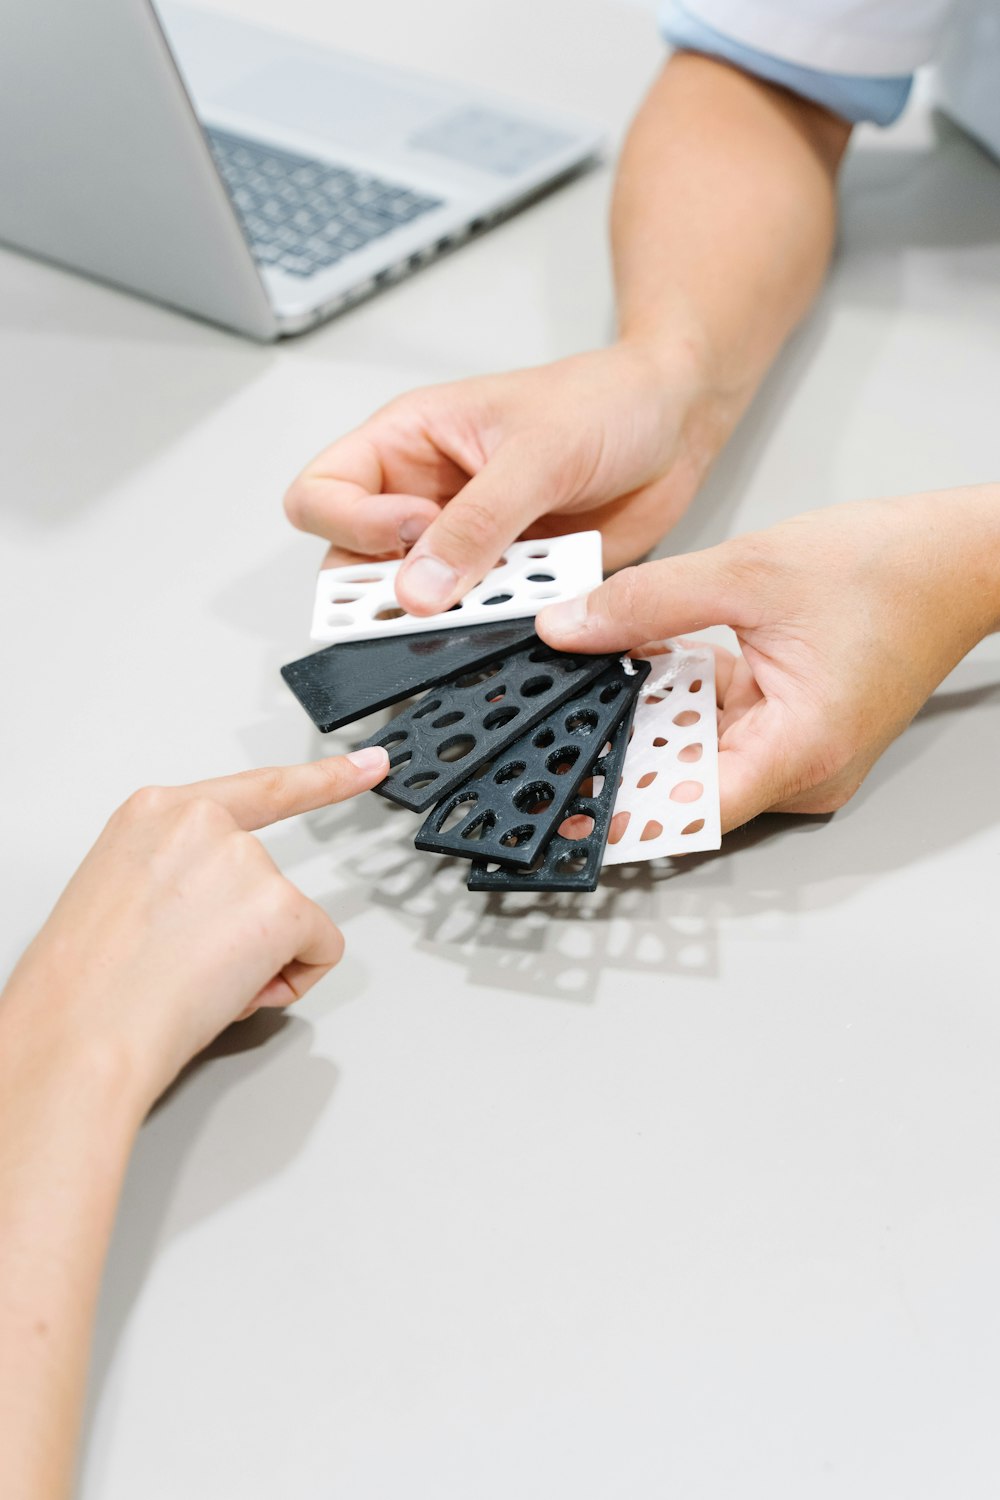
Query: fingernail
point(372, 758)
point(569, 619)
point(412, 528)
point(429, 582)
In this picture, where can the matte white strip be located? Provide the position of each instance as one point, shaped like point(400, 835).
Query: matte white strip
point(668, 801)
point(359, 603)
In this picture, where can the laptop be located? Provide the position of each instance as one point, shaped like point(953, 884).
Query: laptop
point(251, 179)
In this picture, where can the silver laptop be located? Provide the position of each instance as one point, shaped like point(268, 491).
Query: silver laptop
point(251, 179)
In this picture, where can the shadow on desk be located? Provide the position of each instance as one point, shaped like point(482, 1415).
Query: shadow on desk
point(934, 790)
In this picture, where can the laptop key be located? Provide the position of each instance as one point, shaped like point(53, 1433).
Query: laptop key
point(306, 215)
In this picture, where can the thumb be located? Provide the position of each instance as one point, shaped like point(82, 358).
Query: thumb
point(459, 548)
point(645, 603)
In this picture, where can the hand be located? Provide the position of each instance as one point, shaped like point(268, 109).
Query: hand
point(178, 922)
point(603, 440)
point(848, 618)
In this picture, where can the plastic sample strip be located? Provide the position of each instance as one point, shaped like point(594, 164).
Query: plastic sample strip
point(572, 858)
point(668, 801)
point(510, 811)
point(359, 602)
point(342, 683)
point(448, 735)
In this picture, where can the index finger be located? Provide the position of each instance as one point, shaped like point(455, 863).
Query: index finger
point(341, 496)
point(256, 798)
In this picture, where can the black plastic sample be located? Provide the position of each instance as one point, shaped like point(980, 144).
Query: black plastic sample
point(569, 864)
point(345, 681)
point(510, 813)
point(458, 727)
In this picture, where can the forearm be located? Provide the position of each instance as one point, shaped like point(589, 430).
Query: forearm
point(67, 1122)
point(723, 223)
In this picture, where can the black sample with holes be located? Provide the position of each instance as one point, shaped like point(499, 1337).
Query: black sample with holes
point(570, 864)
point(344, 682)
point(509, 812)
point(456, 728)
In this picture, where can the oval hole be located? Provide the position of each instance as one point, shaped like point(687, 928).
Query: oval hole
point(454, 717)
point(498, 717)
point(544, 738)
point(457, 813)
point(391, 612)
point(619, 823)
point(695, 686)
point(582, 721)
point(536, 685)
point(646, 780)
point(694, 827)
point(515, 837)
point(541, 578)
point(687, 791)
point(428, 707)
point(423, 779)
point(659, 742)
point(509, 772)
point(690, 754)
point(393, 739)
point(540, 653)
point(687, 718)
point(339, 620)
point(481, 674)
point(541, 552)
point(652, 830)
point(499, 599)
point(561, 761)
point(342, 597)
point(578, 826)
point(494, 694)
point(572, 864)
point(455, 747)
point(611, 692)
point(535, 798)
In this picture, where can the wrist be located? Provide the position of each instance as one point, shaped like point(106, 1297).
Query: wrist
point(68, 1071)
point(679, 373)
point(961, 529)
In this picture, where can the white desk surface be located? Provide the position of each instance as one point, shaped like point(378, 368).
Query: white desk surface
point(687, 1188)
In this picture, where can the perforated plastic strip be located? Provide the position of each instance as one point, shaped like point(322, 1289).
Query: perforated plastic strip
point(359, 602)
point(449, 734)
point(509, 812)
point(568, 864)
point(668, 802)
point(345, 682)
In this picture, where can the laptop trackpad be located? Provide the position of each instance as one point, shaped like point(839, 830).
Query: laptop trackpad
point(342, 105)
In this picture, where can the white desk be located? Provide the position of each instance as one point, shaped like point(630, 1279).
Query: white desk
point(684, 1189)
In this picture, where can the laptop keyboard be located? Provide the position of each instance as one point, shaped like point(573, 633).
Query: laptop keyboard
point(304, 215)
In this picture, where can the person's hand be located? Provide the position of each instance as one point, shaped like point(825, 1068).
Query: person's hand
point(848, 618)
point(451, 474)
point(178, 922)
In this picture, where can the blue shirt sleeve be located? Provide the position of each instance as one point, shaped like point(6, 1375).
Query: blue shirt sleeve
point(853, 97)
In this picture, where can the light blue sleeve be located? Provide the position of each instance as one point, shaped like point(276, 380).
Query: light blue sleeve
point(853, 97)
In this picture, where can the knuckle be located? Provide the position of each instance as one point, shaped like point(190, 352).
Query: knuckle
point(201, 817)
point(147, 803)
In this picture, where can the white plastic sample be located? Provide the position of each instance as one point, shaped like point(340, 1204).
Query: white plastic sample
point(359, 603)
point(668, 801)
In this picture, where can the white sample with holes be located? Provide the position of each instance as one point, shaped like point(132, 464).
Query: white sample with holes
point(668, 802)
point(359, 603)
